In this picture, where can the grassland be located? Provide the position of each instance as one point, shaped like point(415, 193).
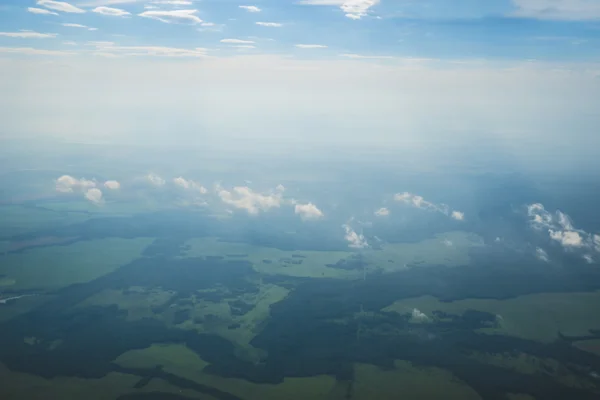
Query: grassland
point(538, 317)
point(18, 220)
point(57, 266)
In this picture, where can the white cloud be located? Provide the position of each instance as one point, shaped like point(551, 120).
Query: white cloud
point(35, 52)
point(155, 180)
point(173, 2)
point(69, 184)
point(354, 9)
point(420, 202)
point(541, 254)
point(567, 238)
point(540, 217)
point(560, 228)
point(94, 195)
point(252, 9)
point(110, 50)
point(60, 6)
point(458, 215)
point(382, 212)
point(243, 197)
point(354, 240)
point(270, 24)
point(359, 56)
point(237, 41)
point(114, 12)
point(189, 185)
point(35, 10)
point(588, 258)
point(308, 211)
point(311, 46)
point(447, 243)
point(557, 9)
point(176, 16)
point(112, 185)
point(70, 25)
point(28, 35)
point(418, 316)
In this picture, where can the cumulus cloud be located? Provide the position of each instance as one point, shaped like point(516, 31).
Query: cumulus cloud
point(252, 9)
point(242, 197)
point(173, 16)
point(270, 24)
point(308, 211)
point(353, 9)
point(557, 9)
point(189, 185)
point(567, 238)
point(60, 6)
point(458, 215)
point(155, 180)
point(94, 195)
point(419, 202)
point(418, 316)
point(382, 212)
point(355, 240)
point(541, 254)
point(114, 12)
point(112, 185)
point(35, 10)
point(311, 46)
point(69, 184)
point(28, 35)
point(588, 258)
point(561, 229)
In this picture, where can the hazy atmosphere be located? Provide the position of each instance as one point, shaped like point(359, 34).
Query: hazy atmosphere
point(303, 199)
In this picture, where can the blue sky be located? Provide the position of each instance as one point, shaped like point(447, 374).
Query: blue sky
point(504, 29)
point(381, 72)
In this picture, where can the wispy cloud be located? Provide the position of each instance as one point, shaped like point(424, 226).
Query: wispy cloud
point(311, 46)
point(270, 24)
point(237, 41)
point(71, 25)
point(35, 52)
point(189, 184)
point(419, 202)
point(173, 16)
point(355, 240)
point(109, 49)
point(60, 6)
point(35, 10)
point(417, 316)
point(155, 180)
point(557, 9)
point(28, 35)
point(382, 212)
point(173, 2)
point(353, 9)
point(359, 56)
point(113, 12)
point(308, 211)
point(542, 255)
point(252, 9)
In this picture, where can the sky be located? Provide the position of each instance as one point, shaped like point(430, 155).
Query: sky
point(381, 72)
